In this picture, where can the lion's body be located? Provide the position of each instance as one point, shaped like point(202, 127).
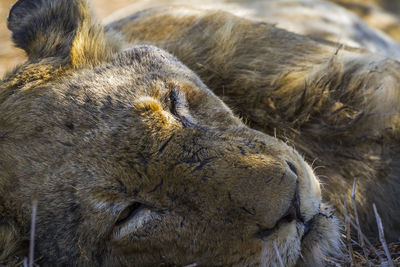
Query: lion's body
point(340, 108)
point(135, 161)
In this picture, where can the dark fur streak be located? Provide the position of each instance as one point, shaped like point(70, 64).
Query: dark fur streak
point(346, 127)
point(330, 216)
point(228, 221)
point(242, 151)
point(122, 186)
point(4, 135)
point(230, 196)
point(162, 148)
point(107, 104)
point(172, 196)
point(156, 187)
point(204, 162)
point(283, 176)
point(87, 99)
point(130, 163)
point(183, 221)
point(269, 180)
point(70, 125)
point(66, 144)
point(247, 211)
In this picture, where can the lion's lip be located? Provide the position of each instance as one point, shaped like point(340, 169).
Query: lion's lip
point(267, 232)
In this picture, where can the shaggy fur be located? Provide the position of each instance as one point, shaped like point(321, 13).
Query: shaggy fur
point(338, 107)
point(135, 162)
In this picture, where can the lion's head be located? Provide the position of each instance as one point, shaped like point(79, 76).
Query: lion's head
point(134, 161)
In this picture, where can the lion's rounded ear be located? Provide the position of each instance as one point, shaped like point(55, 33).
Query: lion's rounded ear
point(44, 28)
point(62, 29)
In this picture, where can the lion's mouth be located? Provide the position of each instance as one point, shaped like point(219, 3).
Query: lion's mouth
point(292, 214)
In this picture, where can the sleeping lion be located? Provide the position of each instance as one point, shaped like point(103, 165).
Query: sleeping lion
point(185, 136)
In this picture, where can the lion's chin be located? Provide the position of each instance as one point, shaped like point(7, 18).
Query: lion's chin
point(322, 240)
point(298, 246)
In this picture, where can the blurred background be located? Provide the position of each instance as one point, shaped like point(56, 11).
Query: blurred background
point(388, 21)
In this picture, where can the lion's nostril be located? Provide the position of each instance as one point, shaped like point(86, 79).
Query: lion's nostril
point(292, 167)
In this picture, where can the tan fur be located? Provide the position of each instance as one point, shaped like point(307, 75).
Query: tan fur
point(336, 105)
point(90, 45)
point(89, 130)
point(135, 162)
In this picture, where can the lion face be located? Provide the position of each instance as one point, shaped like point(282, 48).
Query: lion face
point(134, 161)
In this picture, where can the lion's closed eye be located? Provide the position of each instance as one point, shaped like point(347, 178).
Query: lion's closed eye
point(129, 212)
point(179, 108)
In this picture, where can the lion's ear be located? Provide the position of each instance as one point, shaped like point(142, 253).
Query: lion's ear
point(62, 29)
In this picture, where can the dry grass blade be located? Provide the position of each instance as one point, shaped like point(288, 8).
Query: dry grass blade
point(360, 234)
point(348, 235)
point(371, 247)
point(382, 236)
point(278, 255)
point(32, 237)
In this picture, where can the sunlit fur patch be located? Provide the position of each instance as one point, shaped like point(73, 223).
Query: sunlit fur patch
point(146, 104)
point(151, 109)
